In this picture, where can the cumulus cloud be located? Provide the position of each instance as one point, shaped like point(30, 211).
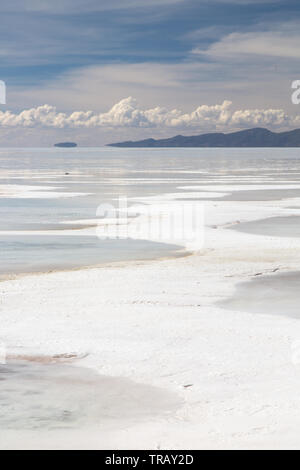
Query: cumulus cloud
point(128, 114)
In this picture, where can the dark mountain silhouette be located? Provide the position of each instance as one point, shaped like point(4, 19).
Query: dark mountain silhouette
point(66, 144)
point(257, 137)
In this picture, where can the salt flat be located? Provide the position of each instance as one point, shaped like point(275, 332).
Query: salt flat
point(160, 324)
point(201, 351)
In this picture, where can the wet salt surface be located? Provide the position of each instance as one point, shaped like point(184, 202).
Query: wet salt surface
point(38, 253)
point(276, 294)
point(35, 396)
point(288, 226)
point(262, 195)
point(101, 176)
point(252, 195)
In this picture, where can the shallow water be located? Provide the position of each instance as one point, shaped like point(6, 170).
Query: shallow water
point(288, 226)
point(276, 294)
point(48, 397)
point(41, 253)
point(263, 195)
point(102, 175)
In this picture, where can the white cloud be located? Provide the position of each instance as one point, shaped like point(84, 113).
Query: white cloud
point(275, 118)
point(282, 42)
point(128, 114)
point(184, 84)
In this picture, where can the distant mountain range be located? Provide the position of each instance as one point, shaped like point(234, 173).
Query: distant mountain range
point(257, 137)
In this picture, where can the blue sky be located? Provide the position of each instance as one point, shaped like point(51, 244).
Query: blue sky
point(178, 60)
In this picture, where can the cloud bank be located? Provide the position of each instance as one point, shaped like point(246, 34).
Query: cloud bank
point(128, 114)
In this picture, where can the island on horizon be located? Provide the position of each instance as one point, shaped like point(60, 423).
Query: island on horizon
point(256, 137)
point(66, 144)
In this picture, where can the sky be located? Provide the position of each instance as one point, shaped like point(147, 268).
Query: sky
point(98, 71)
